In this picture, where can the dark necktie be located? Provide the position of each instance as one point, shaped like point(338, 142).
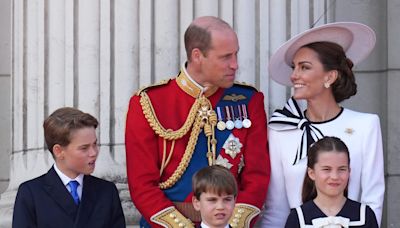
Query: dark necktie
point(74, 193)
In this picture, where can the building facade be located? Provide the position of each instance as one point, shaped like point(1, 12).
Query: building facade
point(95, 54)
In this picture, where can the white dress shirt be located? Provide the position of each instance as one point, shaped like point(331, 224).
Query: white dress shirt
point(203, 225)
point(65, 179)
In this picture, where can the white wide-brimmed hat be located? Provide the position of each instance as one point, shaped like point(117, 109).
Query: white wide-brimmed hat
point(357, 40)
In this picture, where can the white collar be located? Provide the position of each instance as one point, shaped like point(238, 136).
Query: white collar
point(203, 225)
point(65, 179)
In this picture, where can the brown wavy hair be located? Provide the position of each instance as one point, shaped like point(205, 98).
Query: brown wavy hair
point(333, 57)
point(59, 126)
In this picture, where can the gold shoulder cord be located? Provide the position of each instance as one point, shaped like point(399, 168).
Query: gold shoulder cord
point(168, 134)
point(206, 118)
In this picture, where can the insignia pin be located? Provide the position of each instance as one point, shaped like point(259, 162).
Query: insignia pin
point(349, 131)
point(229, 123)
point(221, 124)
point(246, 121)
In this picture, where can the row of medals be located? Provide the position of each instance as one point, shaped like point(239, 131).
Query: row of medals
point(230, 117)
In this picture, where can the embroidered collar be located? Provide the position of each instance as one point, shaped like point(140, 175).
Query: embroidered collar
point(190, 86)
point(291, 117)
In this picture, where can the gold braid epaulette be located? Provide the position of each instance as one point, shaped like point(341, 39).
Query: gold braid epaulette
point(169, 134)
point(160, 83)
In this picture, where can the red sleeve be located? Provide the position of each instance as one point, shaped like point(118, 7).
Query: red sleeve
point(142, 163)
point(254, 178)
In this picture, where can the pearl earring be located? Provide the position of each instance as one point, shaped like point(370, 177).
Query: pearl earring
point(327, 85)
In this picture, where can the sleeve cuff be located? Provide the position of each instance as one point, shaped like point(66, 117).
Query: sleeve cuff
point(170, 217)
point(243, 214)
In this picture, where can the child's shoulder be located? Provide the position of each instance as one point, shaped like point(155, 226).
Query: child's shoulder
point(37, 181)
point(355, 208)
point(359, 214)
point(308, 205)
point(98, 182)
point(352, 204)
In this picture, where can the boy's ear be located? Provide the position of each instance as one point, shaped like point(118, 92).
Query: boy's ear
point(58, 152)
point(196, 203)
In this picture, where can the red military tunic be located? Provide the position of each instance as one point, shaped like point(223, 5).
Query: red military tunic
point(172, 102)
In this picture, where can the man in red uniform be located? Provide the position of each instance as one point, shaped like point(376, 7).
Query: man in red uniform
point(197, 119)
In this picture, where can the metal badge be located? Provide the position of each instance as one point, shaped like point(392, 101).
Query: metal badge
point(246, 123)
point(223, 162)
point(221, 124)
point(246, 120)
point(238, 124)
point(232, 146)
point(229, 123)
point(238, 121)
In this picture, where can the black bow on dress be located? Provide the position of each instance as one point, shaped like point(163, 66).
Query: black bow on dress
point(291, 117)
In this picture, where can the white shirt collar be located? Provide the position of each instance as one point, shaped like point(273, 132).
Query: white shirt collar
point(203, 225)
point(65, 179)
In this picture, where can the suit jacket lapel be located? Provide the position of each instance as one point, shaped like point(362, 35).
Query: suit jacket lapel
point(59, 193)
point(88, 201)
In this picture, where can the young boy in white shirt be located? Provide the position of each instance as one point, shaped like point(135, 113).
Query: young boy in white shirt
point(67, 195)
point(214, 195)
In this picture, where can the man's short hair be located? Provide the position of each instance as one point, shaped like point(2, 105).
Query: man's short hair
point(59, 126)
point(198, 35)
point(215, 179)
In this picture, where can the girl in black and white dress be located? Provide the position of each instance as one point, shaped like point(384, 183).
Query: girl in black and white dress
point(325, 189)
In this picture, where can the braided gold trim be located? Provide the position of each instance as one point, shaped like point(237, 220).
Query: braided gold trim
point(164, 162)
point(155, 124)
point(242, 215)
point(186, 157)
point(170, 217)
point(195, 120)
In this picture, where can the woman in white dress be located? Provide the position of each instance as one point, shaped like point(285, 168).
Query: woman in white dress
point(318, 65)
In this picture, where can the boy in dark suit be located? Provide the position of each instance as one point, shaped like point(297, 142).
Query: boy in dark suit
point(67, 195)
point(214, 195)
